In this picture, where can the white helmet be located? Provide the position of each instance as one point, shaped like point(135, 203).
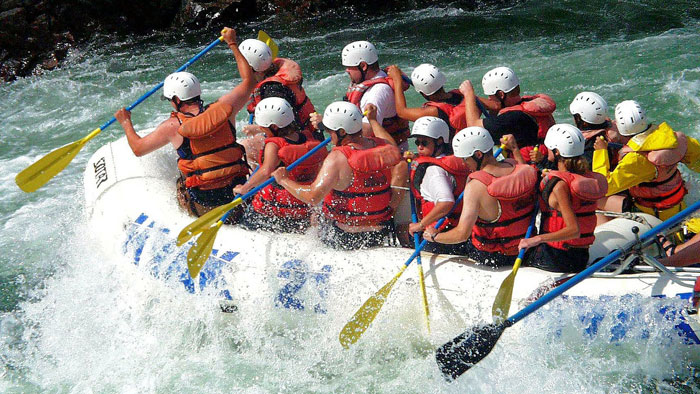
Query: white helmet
point(470, 140)
point(359, 51)
point(500, 78)
point(182, 84)
point(257, 53)
point(590, 107)
point(630, 118)
point(431, 126)
point(274, 111)
point(343, 115)
point(565, 138)
point(427, 79)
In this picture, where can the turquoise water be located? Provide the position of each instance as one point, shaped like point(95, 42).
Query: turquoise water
point(67, 325)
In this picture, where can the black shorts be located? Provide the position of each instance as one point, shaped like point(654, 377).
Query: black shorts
point(481, 257)
point(253, 220)
point(552, 259)
point(333, 236)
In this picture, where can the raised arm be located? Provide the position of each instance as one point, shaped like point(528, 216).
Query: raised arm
point(412, 114)
point(471, 110)
point(377, 129)
point(239, 95)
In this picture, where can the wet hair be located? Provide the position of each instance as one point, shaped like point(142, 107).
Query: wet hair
point(374, 66)
point(577, 165)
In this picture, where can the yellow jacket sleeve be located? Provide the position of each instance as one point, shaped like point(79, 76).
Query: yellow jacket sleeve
point(692, 155)
point(632, 170)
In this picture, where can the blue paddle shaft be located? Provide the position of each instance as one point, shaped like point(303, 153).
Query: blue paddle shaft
point(414, 216)
point(160, 85)
point(556, 292)
point(521, 253)
point(483, 110)
point(272, 179)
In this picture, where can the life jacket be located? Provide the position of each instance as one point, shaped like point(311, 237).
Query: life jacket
point(585, 191)
point(210, 157)
point(611, 135)
point(667, 189)
point(366, 200)
point(455, 167)
point(456, 113)
point(540, 107)
point(397, 127)
point(515, 193)
point(289, 75)
point(274, 199)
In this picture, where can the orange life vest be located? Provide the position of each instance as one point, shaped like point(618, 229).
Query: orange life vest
point(397, 127)
point(210, 157)
point(277, 201)
point(289, 75)
point(667, 189)
point(455, 167)
point(455, 113)
point(366, 200)
point(585, 190)
point(515, 193)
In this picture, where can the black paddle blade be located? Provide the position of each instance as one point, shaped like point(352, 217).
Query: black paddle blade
point(458, 355)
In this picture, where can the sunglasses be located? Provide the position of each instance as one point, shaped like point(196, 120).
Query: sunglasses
point(422, 142)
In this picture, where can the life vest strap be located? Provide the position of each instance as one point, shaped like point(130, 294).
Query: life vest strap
point(502, 240)
point(200, 172)
point(366, 194)
point(343, 212)
point(209, 152)
point(505, 223)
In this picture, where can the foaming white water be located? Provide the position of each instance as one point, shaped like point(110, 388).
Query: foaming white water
point(90, 321)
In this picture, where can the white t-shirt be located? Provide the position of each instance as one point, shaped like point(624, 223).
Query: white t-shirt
point(437, 185)
point(382, 96)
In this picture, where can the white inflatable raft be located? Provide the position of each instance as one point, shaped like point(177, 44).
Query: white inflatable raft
point(132, 206)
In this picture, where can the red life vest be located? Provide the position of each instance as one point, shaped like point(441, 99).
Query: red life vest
point(455, 167)
point(289, 75)
point(456, 113)
point(210, 157)
point(366, 200)
point(397, 127)
point(515, 193)
point(667, 189)
point(274, 200)
point(585, 190)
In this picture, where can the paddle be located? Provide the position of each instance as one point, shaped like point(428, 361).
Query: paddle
point(416, 242)
point(501, 305)
point(210, 223)
point(461, 353)
point(262, 36)
point(36, 175)
point(353, 330)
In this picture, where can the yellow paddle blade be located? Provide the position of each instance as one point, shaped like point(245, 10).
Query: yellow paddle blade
point(37, 174)
point(262, 36)
point(364, 316)
point(424, 296)
point(205, 221)
point(501, 305)
point(200, 251)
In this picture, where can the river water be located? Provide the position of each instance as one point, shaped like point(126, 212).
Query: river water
point(66, 325)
